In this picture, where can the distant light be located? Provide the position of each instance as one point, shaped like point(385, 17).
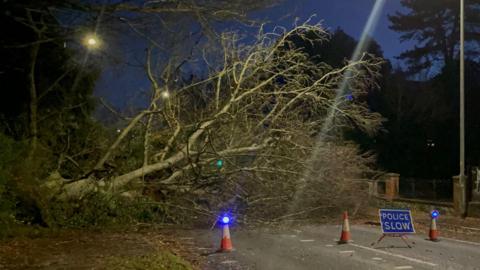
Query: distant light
point(219, 163)
point(430, 143)
point(435, 214)
point(92, 41)
point(349, 97)
point(119, 130)
point(225, 220)
point(165, 94)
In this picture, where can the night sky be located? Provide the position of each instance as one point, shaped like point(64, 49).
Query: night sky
point(350, 15)
point(130, 84)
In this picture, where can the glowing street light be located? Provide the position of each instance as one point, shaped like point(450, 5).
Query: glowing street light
point(165, 94)
point(91, 41)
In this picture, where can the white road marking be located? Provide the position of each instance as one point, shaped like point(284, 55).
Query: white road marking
point(347, 251)
point(228, 262)
point(461, 241)
point(329, 245)
point(404, 267)
point(307, 240)
point(470, 228)
point(377, 259)
point(395, 255)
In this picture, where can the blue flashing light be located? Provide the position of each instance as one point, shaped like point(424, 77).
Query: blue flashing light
point(435, 214)
point(225, 220)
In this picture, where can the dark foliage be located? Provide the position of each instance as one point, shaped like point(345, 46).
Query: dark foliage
point(435, 27)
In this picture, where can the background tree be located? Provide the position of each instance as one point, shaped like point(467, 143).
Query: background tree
point(337, 50)
point(426, 130)
point(45, 110)
point(42, 106)
point(435, 27)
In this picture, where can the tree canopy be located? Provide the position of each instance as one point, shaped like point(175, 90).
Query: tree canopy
point(435, 27)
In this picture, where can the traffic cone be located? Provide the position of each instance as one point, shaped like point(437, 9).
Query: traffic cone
point(433, 233)
point(226, 243)
point(345, 236)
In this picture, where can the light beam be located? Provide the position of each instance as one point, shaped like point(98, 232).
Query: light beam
point(341, 94)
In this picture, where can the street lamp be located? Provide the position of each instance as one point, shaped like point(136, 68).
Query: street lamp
point(462, 183)
point(165, 94)
point(91, 41)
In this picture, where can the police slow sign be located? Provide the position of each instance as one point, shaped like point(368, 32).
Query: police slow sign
point(396, 221)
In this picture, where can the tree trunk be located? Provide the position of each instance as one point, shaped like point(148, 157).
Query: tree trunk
point(33, 101)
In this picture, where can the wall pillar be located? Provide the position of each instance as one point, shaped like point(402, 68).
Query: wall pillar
point(475, 186)
point(458, 196)
point(392, 185)
point(474, 203)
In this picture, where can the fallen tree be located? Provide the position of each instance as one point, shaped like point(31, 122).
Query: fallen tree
point(252, 122)
point(232, 122)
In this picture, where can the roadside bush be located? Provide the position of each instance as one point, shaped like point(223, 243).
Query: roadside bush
point(99, 209)
point(8, 155)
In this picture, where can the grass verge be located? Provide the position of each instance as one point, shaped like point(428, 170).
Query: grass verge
point(157, 261)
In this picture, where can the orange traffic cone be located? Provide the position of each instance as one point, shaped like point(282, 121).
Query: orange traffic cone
point(433, 233)
point(345, 237)
point(226, 243)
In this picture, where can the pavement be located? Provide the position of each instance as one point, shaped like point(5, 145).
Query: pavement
point(315, 247)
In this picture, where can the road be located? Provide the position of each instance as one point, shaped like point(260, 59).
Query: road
point(315, 247)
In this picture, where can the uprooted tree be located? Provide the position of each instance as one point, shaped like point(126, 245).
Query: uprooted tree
point(251, 132)
point(233, 123)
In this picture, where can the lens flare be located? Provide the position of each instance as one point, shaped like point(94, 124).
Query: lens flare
point(342, 95)
point(357, 54)
point(363, 43)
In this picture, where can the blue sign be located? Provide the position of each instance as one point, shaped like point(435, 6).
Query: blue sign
point(398, 221)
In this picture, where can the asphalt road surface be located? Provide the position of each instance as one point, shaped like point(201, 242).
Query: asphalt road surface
point(315, 247)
